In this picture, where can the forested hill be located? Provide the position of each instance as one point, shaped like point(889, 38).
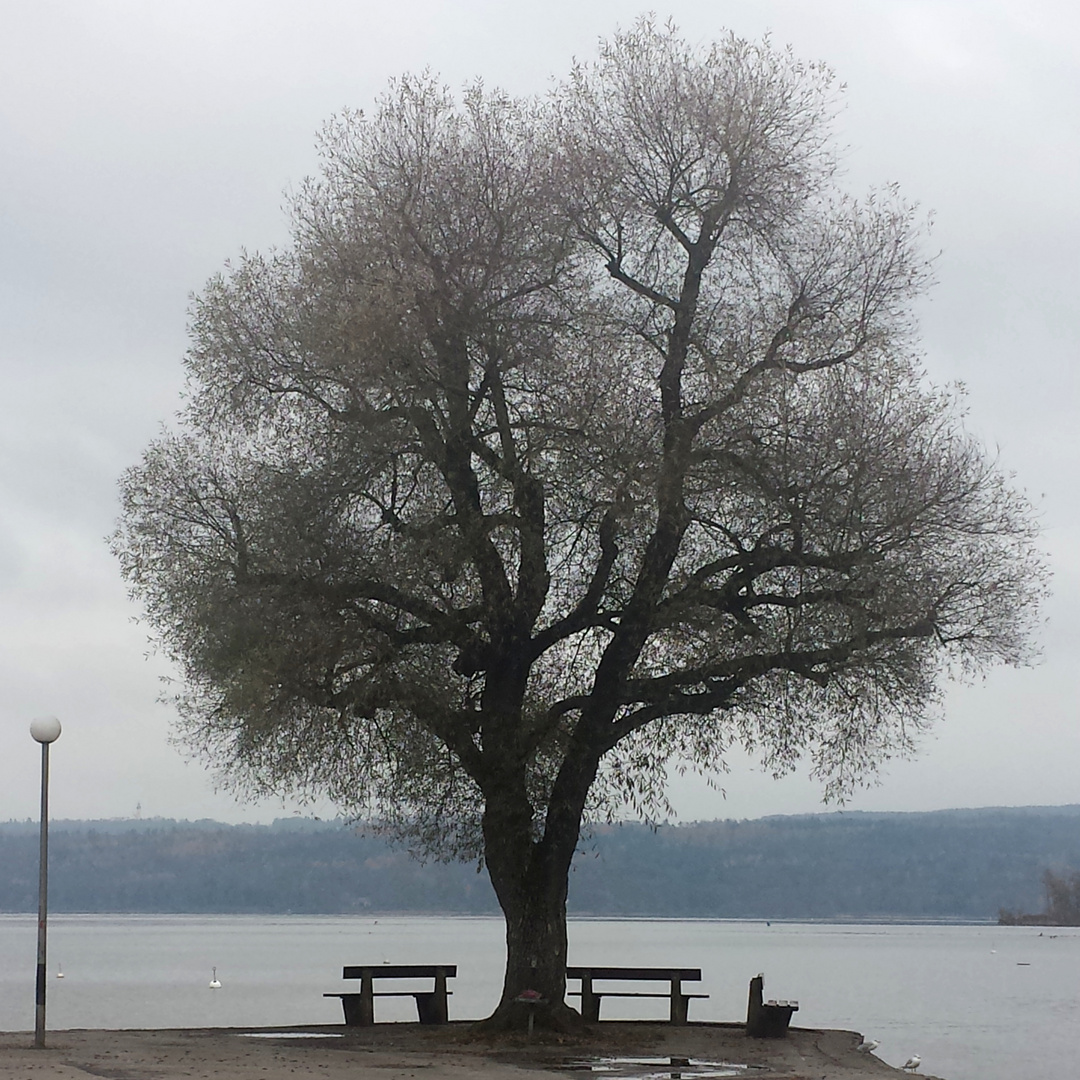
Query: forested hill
point(952, 864)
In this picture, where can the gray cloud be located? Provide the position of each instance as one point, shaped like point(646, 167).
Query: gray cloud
point(142, 145)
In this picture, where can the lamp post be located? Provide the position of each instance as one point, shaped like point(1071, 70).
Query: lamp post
point(46, 730)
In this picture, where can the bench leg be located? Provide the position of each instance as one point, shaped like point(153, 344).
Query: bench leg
point(680, 1003)
point(365, 1015)
point(429, 1008)
point(590, 1003)
point(354, 1011)
point(441, 1004)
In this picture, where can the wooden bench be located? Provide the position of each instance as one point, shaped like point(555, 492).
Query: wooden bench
point(431, 1005)
point(767, 1019)
point(675, 977)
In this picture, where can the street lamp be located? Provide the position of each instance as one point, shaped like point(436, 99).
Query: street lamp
point(45, 729)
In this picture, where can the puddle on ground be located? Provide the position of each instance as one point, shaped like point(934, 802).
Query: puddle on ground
point(289, 1034)
point(658, 1068)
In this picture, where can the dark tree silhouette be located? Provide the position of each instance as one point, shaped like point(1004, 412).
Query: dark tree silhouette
point(571, 440)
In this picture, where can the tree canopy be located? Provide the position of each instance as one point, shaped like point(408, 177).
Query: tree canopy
point(572, 439)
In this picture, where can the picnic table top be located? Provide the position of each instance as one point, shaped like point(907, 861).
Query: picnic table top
point(399, 971)
point(429, 971)
point(690, 974)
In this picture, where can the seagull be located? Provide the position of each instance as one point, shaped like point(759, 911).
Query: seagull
point(912, 1064)
point(214, 984)
point(868, 1046)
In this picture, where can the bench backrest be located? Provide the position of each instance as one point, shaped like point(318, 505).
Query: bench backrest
point(399, 971)
point(689, 974)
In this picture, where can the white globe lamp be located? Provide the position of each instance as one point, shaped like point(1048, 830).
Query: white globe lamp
point(45, 729)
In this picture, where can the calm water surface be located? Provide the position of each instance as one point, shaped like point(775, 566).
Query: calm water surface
point(976, 1002)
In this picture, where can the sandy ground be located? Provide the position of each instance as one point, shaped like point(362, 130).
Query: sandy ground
point(407, 1051)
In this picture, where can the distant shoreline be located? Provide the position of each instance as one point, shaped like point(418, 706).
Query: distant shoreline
point(947, 867)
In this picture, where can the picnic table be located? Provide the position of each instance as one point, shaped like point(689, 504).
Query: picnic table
point(431, 1005)
point(674, 977)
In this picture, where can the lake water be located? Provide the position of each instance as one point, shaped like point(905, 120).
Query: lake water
point(976, 1002)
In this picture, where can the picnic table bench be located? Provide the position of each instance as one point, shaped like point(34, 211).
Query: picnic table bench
point(431, 1005)
point(675, 977)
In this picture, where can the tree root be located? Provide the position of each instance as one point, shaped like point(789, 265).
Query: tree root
point(512, 1017)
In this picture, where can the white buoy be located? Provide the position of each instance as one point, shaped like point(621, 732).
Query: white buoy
point(912, 1064)
point(59, 971)
point(214, 984)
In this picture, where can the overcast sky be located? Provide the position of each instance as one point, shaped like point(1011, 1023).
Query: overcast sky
point(143, 144)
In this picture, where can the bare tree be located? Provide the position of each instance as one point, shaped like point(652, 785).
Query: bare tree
point(1062, 898)
point(571, 440)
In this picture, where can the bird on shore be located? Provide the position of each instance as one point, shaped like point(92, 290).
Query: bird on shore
point(868, 1046)
point(912, 1064)
point(214, 984)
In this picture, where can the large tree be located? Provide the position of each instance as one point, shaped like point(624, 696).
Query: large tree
point(571, 440)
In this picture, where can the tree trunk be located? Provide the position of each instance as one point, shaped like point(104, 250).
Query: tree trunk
point(536, 956)
point(530, 881)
